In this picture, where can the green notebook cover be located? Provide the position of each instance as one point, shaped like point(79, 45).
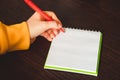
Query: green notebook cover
point(75, 51)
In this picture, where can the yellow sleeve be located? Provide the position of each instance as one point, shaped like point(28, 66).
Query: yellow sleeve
point(14, 37)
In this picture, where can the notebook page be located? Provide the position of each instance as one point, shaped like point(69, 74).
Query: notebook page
point(75, 49)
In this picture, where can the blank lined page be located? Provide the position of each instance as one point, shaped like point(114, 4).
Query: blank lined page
point(75, 51)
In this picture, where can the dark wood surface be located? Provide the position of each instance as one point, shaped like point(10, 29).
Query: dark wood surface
point(102, 15)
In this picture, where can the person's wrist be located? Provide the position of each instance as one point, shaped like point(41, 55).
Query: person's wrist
point(31, 39)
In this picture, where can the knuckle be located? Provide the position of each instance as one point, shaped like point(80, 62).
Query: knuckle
point(51, 12)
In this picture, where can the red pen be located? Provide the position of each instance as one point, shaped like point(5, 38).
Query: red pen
point(37, 9)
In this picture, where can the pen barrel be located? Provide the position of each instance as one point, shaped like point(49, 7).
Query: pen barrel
point(42, 13)
point(37, 9)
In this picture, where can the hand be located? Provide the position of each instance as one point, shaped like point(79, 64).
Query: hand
point(39, 27)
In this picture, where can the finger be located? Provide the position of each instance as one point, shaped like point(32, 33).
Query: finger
point(56, 32)
point(47, 36)
point(51, 33)
point(54, 17)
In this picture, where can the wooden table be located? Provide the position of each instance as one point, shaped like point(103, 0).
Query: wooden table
point(101, 15)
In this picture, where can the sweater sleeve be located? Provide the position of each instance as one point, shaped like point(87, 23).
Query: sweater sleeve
point(14, 37)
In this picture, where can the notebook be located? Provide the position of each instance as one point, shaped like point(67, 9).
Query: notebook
point(76, 51)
